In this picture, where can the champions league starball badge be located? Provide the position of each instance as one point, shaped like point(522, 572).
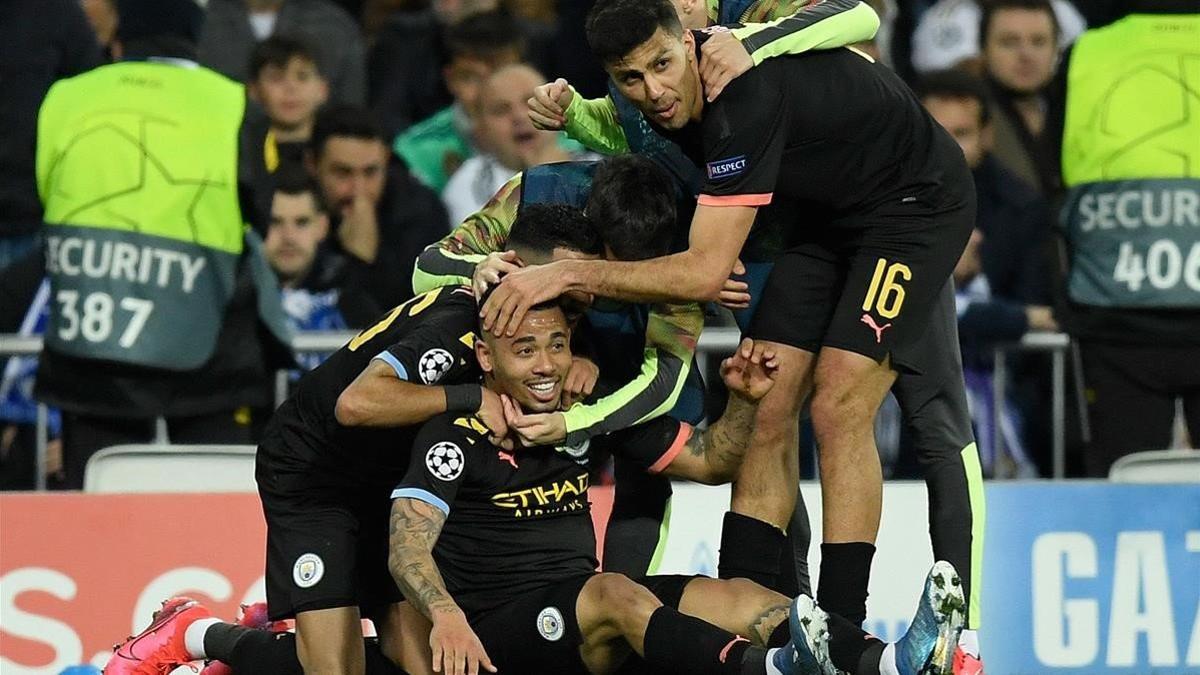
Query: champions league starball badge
point(434, 365)
point(445, 461)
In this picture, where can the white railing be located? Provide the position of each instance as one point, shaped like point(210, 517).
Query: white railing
point(713, 342)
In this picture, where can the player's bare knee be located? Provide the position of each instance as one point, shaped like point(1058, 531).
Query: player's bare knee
point(330, 641)
point(839, 407)
point(785, 398)
point(741, 595)
point(623, 603)
point(319, 661)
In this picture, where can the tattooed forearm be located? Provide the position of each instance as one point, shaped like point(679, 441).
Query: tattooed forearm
point(414, 530)
point(723, 444)
point(760, 628)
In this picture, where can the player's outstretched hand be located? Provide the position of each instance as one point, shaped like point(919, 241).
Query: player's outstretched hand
point(491, 413)
point(722, 58)
point(548, 107)
point(750, 372)
point(535, 428)
point(580, 381)
point(456, 648)
point(517, 292)
point(490, 269)
point(735, 294)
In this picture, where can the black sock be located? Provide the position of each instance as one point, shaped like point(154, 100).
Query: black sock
point(787, 582)
point(250, 650)
point(852, 649)
point(845, 571)
point(754, 661)
point(868, 663)
point(799, 536)
point(780, 636)
point(750, 549)
point(680, 643)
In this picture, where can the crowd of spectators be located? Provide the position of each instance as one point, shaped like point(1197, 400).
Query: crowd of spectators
point(374, 126)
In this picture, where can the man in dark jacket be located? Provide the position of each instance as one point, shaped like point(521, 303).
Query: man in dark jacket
point(196, 341)
point(40, 42)
point(1003, 276)
point(380, 214)
point(1011, 214)
point(322, 289)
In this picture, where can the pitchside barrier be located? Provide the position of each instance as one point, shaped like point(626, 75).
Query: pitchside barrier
point(713, 342)
point(1082, 577)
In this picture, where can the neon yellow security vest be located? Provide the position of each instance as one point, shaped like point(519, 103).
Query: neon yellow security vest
point(1131, 161)
point(137, 168)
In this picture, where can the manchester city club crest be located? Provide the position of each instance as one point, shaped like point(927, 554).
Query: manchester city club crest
point(308, 570)
point(550, 624)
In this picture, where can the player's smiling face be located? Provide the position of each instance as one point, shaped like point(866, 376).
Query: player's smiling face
point(660, 77)
point(530, 366)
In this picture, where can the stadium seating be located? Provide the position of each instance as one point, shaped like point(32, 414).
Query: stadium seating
point(171, 468)
point(1157, 466)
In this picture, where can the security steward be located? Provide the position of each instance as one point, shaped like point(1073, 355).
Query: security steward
point(1131, 220)
point(162, 304)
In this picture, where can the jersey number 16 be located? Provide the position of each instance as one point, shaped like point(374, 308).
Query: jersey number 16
point(885, 293)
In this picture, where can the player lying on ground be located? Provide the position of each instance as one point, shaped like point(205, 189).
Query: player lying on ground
point(496, 548)
point(334, 450)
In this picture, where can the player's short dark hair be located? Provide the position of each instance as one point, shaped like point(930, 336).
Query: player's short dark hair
point(989, 8)
point(617, 27)
point(544, 227)
point(347, 121)
point(484, 35)
point(294, 180)
point(278, 51)
point(632, 206)
point(954, 83)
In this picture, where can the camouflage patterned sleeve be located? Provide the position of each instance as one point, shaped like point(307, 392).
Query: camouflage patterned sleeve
point(672, 332)
point(593, 122)
point(451, 261)
point(797, 26)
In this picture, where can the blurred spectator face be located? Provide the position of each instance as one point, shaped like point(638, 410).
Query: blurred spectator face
point(504, 124)
point(290, 94)
point(1019, 49)
point(102, 15)
point(963, 118)
point(452, 11)
point(466, 74)
point(297, 229)
point(970, 264)
point(348, 167)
